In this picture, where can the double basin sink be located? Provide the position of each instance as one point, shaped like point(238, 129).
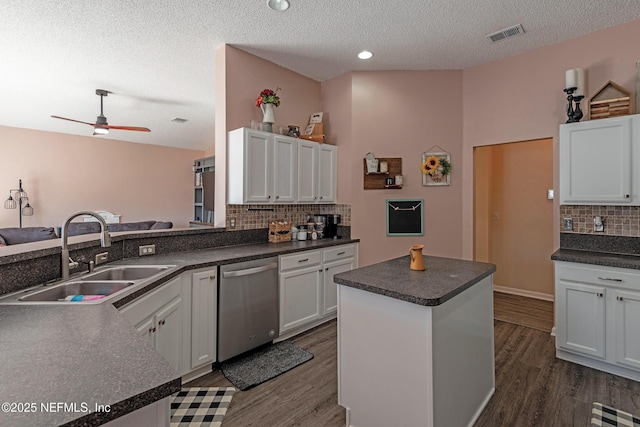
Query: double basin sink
point(92, 288)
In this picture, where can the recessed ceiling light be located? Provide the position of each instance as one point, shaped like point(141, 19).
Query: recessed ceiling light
point(365, 54)
point(279, 5)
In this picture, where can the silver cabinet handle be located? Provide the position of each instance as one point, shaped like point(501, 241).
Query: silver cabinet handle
point(341, 253)
point(303, 260)
point(611, 279)
point(248, 271)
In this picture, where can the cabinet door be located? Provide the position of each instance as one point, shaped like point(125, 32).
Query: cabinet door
point(307, 171)
point(595, 162)
point(147, 329)
point(284, 170)
point(204, 297)
point(580, 318)
point(258, 167)
point(330, 301)
point(300, 292)
point(169, 333)
point(327, 173)
point(626, 312)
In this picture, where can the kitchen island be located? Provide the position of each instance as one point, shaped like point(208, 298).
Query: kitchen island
point(415, 348)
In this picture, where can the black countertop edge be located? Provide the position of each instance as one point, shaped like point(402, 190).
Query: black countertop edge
point(606, 259)
point(128, 405)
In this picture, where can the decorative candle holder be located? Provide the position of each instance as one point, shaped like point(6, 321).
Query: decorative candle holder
point(573, 114)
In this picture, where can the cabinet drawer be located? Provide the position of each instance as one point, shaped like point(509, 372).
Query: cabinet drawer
point(303, 259)
point(147, 304)
point(340, 252)
point(598, 275)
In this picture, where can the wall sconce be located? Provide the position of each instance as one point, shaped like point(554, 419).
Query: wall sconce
point(16, 198)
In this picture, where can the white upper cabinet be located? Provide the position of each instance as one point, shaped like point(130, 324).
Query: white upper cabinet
point(266, 168)
point(600, 162)
point(307, 171)
point(327, 173)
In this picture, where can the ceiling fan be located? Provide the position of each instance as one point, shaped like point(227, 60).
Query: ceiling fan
point(101, 127)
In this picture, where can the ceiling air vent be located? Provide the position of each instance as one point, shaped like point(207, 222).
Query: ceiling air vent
point(506, 33)
point(178, 120)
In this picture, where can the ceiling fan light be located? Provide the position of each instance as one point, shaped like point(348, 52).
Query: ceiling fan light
point(100, 131)
point(279, 5)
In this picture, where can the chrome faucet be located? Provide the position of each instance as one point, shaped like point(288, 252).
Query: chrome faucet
point(105, 240)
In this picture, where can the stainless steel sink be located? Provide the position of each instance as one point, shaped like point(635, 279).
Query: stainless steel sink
point(133, 272)
point(86, 289)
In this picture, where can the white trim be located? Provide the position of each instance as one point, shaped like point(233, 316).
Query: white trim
point(524, 293)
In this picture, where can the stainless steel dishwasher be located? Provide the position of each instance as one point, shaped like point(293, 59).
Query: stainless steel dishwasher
point(247, 306)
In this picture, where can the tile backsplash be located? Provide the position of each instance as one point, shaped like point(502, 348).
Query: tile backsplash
point(618, 220)
point(296, 214)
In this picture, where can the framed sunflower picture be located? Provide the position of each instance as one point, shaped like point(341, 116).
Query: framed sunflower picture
point(436, 168)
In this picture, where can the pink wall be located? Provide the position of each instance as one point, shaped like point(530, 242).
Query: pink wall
point(240, 77)
point(402, 114)
point(520, 98)
point(336, 104)
point(66, 173)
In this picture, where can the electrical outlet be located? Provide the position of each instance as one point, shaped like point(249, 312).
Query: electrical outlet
point(568, 223)
point(101, 258)
point(146, 250)
point(598, 224)
point(232, 222)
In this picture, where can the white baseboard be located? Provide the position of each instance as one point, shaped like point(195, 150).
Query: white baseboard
point(523, 293)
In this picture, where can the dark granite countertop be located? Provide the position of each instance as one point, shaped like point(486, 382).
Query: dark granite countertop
point(443, 279)
point(597, 258)
point(77, 355)
point(91, 354)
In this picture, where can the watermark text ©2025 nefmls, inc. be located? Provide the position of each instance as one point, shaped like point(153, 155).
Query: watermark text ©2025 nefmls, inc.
point(54, 407)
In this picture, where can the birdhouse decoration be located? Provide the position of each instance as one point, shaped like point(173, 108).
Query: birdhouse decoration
point(611, 100)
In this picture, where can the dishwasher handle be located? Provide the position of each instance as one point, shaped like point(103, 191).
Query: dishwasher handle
point(249, 271)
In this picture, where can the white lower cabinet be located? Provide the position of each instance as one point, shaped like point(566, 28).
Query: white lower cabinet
point(158, 317)
point(308, 295)
point(597, 311)
point(179, 319)
point(204, 301)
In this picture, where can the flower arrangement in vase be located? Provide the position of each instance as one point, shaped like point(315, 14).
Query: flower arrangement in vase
point(266, 101)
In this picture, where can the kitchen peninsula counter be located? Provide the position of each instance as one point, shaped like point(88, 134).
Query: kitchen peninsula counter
point(415, 347)
point(86, 355)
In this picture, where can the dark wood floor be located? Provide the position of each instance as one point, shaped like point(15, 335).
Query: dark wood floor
point(523, 311)
point(533, 388)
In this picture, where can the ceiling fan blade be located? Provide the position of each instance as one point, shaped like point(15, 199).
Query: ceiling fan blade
point(72, 120)
point(139, 129)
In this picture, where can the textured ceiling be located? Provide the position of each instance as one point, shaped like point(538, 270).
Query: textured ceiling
point(157, 56)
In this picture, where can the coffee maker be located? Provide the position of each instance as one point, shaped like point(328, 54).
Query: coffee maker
point(331, 229)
